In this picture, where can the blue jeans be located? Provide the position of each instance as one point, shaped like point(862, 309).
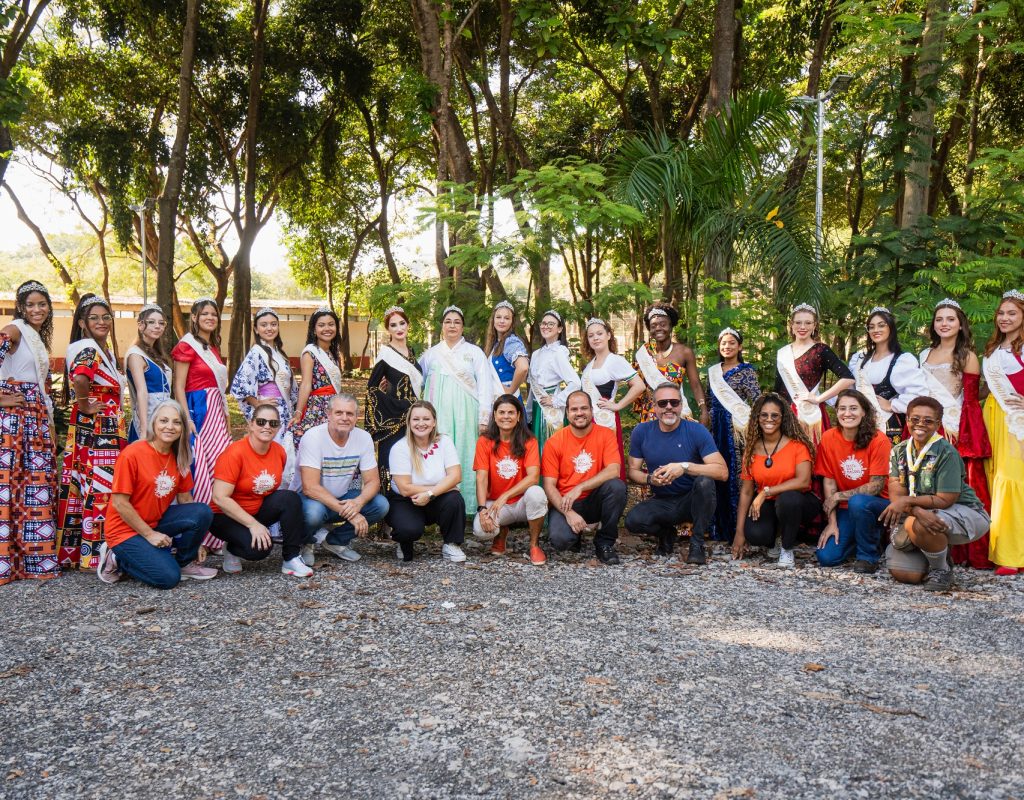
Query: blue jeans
point(317, 515)
point(859, 531)
point(186, 524)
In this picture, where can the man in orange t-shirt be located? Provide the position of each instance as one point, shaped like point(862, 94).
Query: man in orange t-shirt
point(580, 469)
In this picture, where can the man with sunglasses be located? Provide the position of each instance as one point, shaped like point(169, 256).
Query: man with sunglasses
point(931, 504)
point(682, 462)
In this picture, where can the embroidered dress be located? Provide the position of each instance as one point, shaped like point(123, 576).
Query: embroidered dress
point(1006, 466)
point(604, 382)
point(551, 374)
point(158, 389)
point(811, 368)
point(387, 408)
point(643, 406)
point(326, 384)
point(505, 363)
point(743, 380)
point(974, 447)
point(28, 467)
point(93, 445)
point(255, 378)
point(458, 381)
point(897, 378)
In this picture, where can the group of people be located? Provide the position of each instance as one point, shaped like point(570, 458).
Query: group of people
point(913, 465)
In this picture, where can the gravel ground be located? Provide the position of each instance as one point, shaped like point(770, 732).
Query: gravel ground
point(498, 679)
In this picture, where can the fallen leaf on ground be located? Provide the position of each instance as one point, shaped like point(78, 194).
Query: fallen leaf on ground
point(813, 666)
point(20, 670)
point(413, 606)
point(145, 610)
point(593, 680)
point(311, 604)
point(246, 622)
point(473, 607)
point(154, 629)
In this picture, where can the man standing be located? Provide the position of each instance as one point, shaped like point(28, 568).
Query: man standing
point(682, 464)
point(580, 471)
point(330, 457)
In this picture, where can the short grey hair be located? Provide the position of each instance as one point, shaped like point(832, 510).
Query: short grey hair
point(348, 398)
point(668, 385)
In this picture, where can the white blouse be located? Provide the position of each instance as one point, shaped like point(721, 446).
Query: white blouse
point(907, 377)
point(615, 368)
point(434, 462)
point(550, 366)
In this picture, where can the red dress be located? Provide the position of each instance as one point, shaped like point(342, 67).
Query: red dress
point(973, 446)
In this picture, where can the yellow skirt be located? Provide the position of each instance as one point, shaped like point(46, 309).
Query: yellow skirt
point(1005, 471)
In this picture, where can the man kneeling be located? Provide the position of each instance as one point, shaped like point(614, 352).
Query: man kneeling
point(931, 504)
point(682, 464)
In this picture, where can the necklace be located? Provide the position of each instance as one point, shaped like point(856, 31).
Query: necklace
point(768, 461)
point(667, 353)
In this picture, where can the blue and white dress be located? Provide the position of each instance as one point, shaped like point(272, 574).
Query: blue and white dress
point(504, 363)
point(158, 389)
point(269, 376)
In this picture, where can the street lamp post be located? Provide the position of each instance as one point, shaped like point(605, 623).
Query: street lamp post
point(141, 209)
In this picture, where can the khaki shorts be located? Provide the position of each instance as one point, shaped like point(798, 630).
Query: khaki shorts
point(966, 525)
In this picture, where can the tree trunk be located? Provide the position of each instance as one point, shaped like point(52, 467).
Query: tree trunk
point(44, 246)
point(723, 55)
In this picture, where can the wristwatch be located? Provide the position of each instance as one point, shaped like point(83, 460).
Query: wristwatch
point(430, 493)
point(480, 509)
point(686, 467)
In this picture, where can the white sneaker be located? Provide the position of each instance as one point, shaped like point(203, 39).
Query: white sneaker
point(786, 559)
point(297, 567)
point(308, 555)
point(232, 563)
point(320, 535)
point(343, 552)
point(452, 552)
point(106, 567)
point(773, 552)
point(399, 554)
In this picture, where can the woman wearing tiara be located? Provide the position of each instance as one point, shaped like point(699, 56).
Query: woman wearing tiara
point(663, 361)
point(733, 386)
point(1004, 416)
point(96, 434)
point(505, 350)
point(886, 376)
point(148, 370)
point(395, 384)
point(605, 370)
point(320, 364)
point(459, 383)
point(801, 366)
point(28, 530)
point(953, 374)
point(552, 378)
point(265, 374)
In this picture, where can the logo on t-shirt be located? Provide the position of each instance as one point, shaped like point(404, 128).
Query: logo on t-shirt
point(583, 462)
point(852, 467)
point(263, 483)
point(164, 484)
point(507, 468)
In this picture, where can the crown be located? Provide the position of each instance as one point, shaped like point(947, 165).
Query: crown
point(803, 307)
point(32, 286)
point(151, 307)
point(324, 309)
point(596, 321)
point(879, 310)
point(1014, 294)
point(656, 312)
point(552, 313)
point(202, 300)
point(92, 301)
point(449, 309)
point(948, 302)
point(264, 312)
point(505, 304)
point(731, 332)
point(393, 310)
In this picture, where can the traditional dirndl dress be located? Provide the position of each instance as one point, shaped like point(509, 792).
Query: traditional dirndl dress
point(743, 380)
point(504, 364)
point(158, 389)
point(603, 382)
point(1006, 466)
point(395, 383)
point(551, 374)
point(93, 445)
point(28, 463)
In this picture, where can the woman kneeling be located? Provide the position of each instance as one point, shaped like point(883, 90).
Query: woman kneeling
point(143, 525)
point(246, 498)
point(425, 478)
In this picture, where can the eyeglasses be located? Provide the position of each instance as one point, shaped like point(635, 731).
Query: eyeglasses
point(878, 326)
point(262, 422)
point(547, 324)
point(769, 417)
point(668, 403)
point(104, 318)
point(922, 421)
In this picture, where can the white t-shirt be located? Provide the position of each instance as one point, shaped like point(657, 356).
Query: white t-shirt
point(434, 462)
point(339, 466)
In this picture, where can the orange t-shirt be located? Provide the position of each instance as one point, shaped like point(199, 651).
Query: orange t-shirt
point(254, 476)
point(837, 459)
point(783, 465)
point(151, 481)
point(571, 459)
point(503, 469)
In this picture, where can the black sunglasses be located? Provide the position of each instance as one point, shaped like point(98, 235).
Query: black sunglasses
point(668, 403)
point(262, 422)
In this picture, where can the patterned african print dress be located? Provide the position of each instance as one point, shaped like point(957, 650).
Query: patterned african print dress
point(742, 380)
point(653, 373)
point(394, 384)
point(93, 445)
point(326, 384)
point(28, 463)
point(266, 375)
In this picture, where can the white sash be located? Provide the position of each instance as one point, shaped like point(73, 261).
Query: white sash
point(951, 406)
point(728, 397)
point(30, 338)
point(396, 360)
point(282, 373)
point(653, 377)
point(333, 370)
point(109, 365)
point(1002, 390)
point(219, 370)
point(552, 416)
point(866, 388)
point(602, 416)
point(466, 380)
point(808, 413)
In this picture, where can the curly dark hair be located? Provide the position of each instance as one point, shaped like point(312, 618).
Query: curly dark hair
point(21, 296)
point(673, 315)
point(790, 426)
point(520, 434)
point(79, 330)
point(867, 428)
point(335, 347)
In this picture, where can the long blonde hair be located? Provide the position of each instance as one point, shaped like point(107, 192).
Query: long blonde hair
point(184, 455)
point(410, 438)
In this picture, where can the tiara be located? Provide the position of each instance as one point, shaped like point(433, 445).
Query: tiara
point(803, 307)
point(505, 304)
point(596, 321)
point(1014, 294)
point(656, 312)
point(393, 310)
point(202, 300)
point(32, 286)
point(950, 302)
point(551, 313)
point(452, 308)
point(879, 310)
point(731, 332)
point(150, 307)
point(324, 309)
point(92, 301)
point(264, 311)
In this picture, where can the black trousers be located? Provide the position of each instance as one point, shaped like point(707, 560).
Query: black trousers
point(604, 505)
point(281, 506)
point(659, 516)
point(408, 520)
point(782, 516)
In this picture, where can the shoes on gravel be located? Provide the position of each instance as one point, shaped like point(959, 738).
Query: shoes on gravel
point(296, 567)
point(197, 572)
point(939, 580)
point(106, 568)
point(499, 543)
point(786, 558)
point(607, 555)
point(862, 567)
point(698, 552)
point(452, 552)
point(537, 557)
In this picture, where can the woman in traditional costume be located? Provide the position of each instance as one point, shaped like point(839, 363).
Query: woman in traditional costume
point(800, 368)
point(395, 384)
point(604, 372)
point(552, 378)
point(148, 370)
point(28, 529)
point(320, 364)
point(506, 352)
point(733, 386)
point(266, 375)
point(458, 381)
point(661, 360)
point(953, 374)
point(1004, 417)
point(886, 376)
point(96, 434)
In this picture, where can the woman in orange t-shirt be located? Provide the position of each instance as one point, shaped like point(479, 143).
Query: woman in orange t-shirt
point(247, 498)
point(141, 525)
point(775, 496)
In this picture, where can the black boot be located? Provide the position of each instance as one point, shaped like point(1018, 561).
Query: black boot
point(606, 555)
